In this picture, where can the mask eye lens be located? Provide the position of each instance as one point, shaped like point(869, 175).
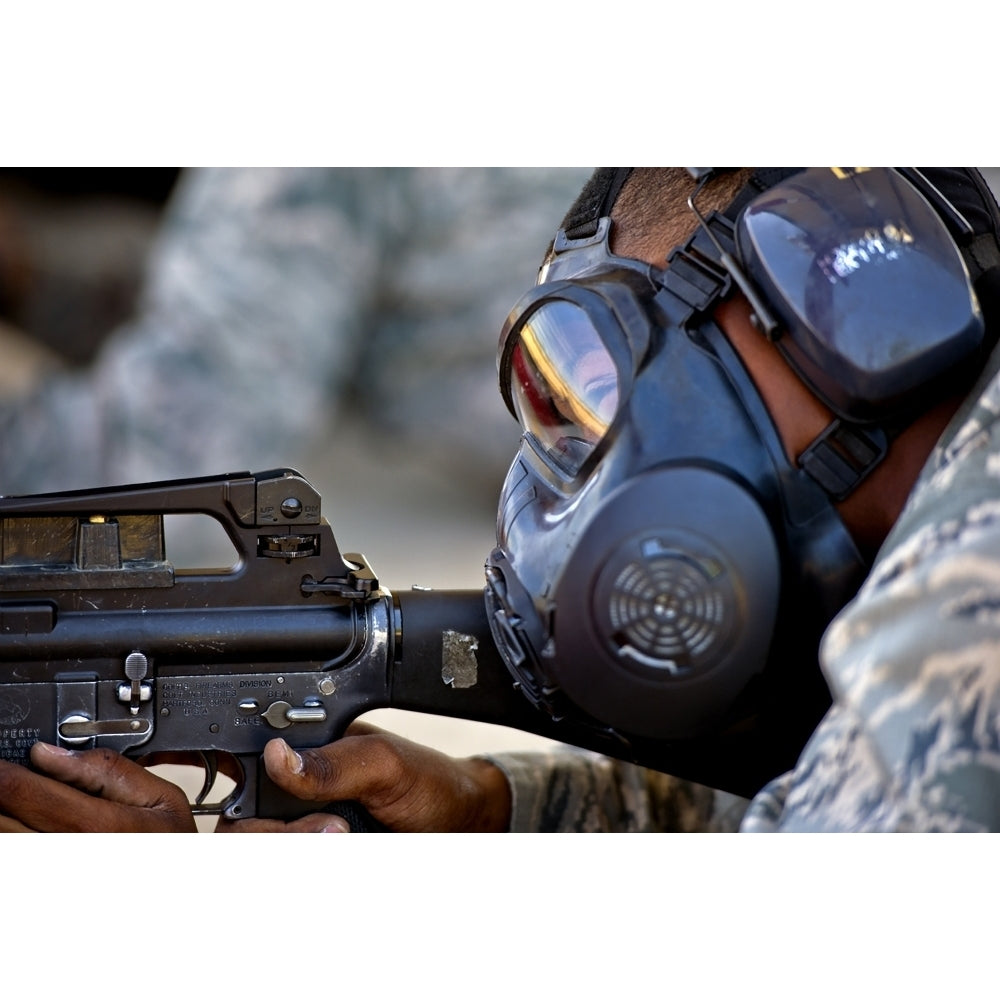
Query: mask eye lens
point(565, 384)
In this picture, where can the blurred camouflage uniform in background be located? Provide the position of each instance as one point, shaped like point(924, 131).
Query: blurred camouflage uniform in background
point(275, 300)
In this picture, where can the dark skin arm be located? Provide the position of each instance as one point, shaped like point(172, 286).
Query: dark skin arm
point(405, 786)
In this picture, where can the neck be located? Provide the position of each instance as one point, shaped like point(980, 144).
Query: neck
point(874, 507)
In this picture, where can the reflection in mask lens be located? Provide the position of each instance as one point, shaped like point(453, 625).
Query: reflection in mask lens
point(565, 383)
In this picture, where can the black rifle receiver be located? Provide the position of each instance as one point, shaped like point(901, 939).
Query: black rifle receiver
point(104, 643)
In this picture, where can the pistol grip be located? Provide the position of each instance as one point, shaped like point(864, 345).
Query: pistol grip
point(260, 796)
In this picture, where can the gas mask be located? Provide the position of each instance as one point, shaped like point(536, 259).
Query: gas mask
point(663, 571)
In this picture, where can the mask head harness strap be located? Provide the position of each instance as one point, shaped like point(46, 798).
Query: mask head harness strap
point(595, 201)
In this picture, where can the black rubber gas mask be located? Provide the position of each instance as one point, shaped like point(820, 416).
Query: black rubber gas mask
point(663, 572)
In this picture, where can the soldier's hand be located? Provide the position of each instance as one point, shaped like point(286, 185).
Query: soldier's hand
point(405, 786)
point(90, 791)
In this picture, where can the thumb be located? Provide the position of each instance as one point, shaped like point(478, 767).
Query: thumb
point(354, 767)
point(403, 785)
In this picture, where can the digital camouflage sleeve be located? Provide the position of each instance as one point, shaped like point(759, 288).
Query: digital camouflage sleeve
point(570, 790)
point(277, 299)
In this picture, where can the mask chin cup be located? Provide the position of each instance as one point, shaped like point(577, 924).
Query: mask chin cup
point(865, 280)
point(658, 630)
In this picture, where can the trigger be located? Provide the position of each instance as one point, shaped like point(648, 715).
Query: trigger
point(210, 762)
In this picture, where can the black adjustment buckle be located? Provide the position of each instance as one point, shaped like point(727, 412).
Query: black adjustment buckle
point(696, 282)
point(843, 455)
point(696, 272)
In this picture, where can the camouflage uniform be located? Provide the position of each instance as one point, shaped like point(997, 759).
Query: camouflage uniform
point(277, 298)
point(913, 739)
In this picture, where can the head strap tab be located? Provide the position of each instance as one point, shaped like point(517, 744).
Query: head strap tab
point(595, 201)
point(842, 455)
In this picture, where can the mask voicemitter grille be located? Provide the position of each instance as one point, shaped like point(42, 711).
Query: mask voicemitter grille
point(667, 610)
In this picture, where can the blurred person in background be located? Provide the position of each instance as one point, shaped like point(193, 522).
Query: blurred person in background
point(273, 304)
